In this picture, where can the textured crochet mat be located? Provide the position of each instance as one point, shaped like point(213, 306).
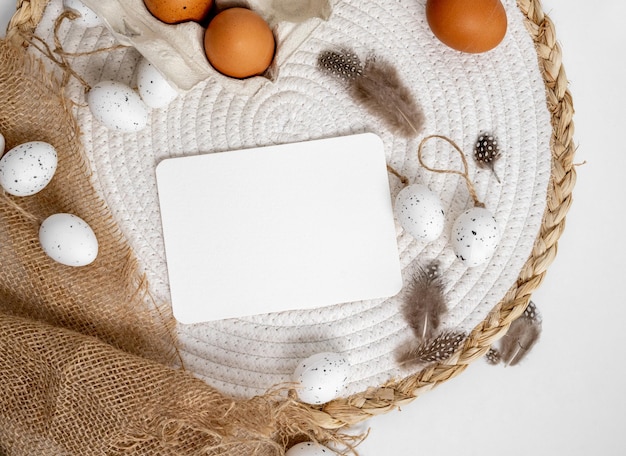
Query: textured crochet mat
point(461, 95)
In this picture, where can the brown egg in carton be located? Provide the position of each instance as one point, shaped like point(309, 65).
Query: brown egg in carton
point(177, 50)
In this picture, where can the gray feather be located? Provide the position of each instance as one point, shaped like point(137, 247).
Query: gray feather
point(425, 304)
point(377, 86)
point(521, 337)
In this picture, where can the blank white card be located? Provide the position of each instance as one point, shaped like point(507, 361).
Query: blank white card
point(277, 228)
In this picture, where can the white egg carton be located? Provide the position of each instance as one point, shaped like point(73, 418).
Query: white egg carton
point(178, 51)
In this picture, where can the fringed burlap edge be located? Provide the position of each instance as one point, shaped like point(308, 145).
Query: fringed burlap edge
point(152, 328)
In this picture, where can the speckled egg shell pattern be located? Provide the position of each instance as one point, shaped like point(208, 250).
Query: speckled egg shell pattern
point(420, 212)
point(153, 88)
point(68, 239)
point(28, 168)
point(321, 377)
point(117, 106)
point(475, 236)
point(309, 449)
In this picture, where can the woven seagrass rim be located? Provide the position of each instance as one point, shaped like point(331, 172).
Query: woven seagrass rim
point(392, 395)
point(563, 177)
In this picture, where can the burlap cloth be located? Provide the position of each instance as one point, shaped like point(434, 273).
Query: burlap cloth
point(89, 352)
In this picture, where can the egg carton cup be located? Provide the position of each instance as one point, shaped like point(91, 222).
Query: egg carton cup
point(518, 91)
point(177, 50)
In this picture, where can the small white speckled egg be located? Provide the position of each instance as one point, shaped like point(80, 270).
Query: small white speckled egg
point(68, 239)
point(321, 377)
point(117, 106)
point(475, 236)
point(154, 89)
point(28, 168)
point(3, 144)
point(420, 212)
point(87, 18)
point(309, 449)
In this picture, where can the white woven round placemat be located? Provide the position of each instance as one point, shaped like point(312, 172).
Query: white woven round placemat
point(501, 91)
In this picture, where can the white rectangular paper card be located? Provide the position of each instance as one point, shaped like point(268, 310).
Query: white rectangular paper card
point(278, 228)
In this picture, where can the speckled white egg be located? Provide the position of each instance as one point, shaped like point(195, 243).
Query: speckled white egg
point(154, 89)
point(117, 106)
point(321, 377)
point(28, 168)
point(309, 449)
point(3, 144)
point(68, 239)
point(475, 236)
point(420, 212)
point(86, 16)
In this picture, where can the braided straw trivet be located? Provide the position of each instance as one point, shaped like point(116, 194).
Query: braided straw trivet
point(495, 326)
point(389, 396)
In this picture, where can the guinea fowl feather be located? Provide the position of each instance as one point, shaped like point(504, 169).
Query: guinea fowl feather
point(437, 349)
point(423, 310)
point(519, 340)
point(425, 304)
point(377, 86)
point(522, 336)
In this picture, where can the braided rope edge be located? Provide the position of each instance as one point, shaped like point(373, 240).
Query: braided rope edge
point(391, 396)
point(26, 17)
point(377, 401)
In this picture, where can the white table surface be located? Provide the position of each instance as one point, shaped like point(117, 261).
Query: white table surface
point(567, 397)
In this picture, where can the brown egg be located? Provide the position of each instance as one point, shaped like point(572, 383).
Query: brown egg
point(239, 43)
point(176, 11)
point(467, 25)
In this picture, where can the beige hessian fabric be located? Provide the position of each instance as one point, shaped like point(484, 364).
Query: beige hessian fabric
point(108, 298)
point(64, 391)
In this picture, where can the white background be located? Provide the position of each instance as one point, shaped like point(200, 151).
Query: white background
point(567, 397)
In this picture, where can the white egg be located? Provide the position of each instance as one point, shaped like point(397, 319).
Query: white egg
point(420, 212)
point(475, 236)
point(154, 89)
point(28, 168)
point(3, 144)
point(321, 377)
point(117, 106)
point(309, 449)
point(68, 239)
point(86, 16)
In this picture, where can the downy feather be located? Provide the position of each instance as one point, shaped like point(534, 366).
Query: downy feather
point(521, 337)
point(377, 86)
point(425, 304)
